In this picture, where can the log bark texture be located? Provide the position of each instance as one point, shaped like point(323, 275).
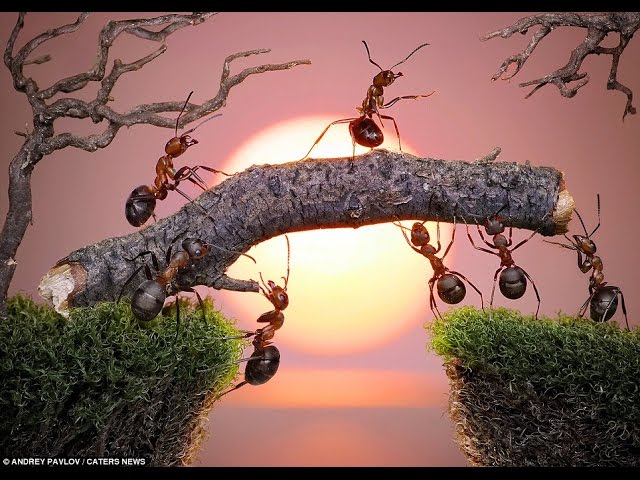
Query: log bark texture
point(270, 200)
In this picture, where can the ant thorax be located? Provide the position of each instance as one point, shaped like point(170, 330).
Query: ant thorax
point(499, 240)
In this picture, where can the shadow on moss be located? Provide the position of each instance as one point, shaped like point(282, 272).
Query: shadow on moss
point(547, 392)
point(99, 385)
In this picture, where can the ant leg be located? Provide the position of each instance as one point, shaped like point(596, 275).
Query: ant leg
point(192, 290)
point(432, 300)
point(535, 289)
point(154, 259)
point(484, 239)
point(472, 285)
point(344, 120)
point(406, 97)
point(128, 281)
point(583, 308)
point(523, 241)
point(396, 127)
point(597, 226)
point(235, 387)
point(624, 309)
point(453, 236)
point(177, 317)
point(474, 244)
point(493, 289)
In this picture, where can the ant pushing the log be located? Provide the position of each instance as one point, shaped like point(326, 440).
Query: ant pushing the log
point(141, 204)
point(363, 129)
point(603, 298)
point(149, 298)
point(263, 363)
point(450, 288)
point(513, 279)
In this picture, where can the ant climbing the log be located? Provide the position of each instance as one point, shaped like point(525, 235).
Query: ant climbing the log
point(513, 279)
point(148, 299)
point(603, 298)
point(451, 289)
point(263, 363)
point(363, 129)
point(141, 203)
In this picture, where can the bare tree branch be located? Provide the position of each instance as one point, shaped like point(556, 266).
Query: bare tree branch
point(43, 140)
point(598, 25)
point(269, 200)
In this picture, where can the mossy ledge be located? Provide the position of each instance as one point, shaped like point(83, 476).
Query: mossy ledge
point(546, 392)
point(102, 385)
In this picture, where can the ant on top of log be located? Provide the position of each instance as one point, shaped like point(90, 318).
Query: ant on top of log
point(603, 298)
point(363, 129)
point(513, 279)
point(263, 363)
point(141, 203)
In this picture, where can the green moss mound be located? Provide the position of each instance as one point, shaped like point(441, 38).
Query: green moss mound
point(102, 385)
point(546, 392)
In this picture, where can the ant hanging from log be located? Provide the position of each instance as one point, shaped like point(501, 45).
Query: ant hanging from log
point(450, 288)
point(263, 363)
point(513, 279)
point(141, 204)
point(363, 129)
point(149, 298)
point(603, 298)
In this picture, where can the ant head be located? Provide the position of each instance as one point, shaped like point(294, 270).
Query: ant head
point(585, 244)
point(178, 145)
point(195, 247)
point(494, 225)
point(420, 234)
point(385, 78)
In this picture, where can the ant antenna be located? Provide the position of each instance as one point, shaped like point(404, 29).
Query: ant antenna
point(414, 51)
point(598, 226)
point(204, 121)
point(286, 280)
point(182, 111)
point(369, 55)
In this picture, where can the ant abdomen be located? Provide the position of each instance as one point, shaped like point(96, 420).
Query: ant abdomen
point(140, 205)
point(451, 289)
point(604, 303)
point(512, 282)
point(147, 300)
point(262, 365)
point(366, 132)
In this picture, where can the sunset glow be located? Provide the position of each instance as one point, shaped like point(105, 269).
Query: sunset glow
point(350, 289)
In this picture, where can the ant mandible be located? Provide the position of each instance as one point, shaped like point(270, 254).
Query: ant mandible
point(363, 129)
point(141, 203)
point(450, 288)
point(513, 279)
point(148, 299)
point(603, 298)
point(263, 363)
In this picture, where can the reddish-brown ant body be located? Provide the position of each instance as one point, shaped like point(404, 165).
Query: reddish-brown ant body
point(141, 203)
point(451, 289)
point(603, 298)
point(513, 279)
point(263, 363)
point(148, 299)
point(363, 129)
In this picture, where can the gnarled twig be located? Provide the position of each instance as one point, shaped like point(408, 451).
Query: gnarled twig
point(598, 25)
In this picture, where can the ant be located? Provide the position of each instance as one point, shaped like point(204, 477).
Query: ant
point(603, 298)
point(513, 279)
point(450, 288)
point(141, 202)
point(363, 129)
point(148, 299)
point(263, 363)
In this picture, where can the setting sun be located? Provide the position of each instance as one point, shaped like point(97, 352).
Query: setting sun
point(349, 290)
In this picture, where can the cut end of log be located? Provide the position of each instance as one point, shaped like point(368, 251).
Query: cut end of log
point(563, 210)
point(59, 285)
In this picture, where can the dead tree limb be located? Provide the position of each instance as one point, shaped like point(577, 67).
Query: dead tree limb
point(598, 25)
point(269, 200)
point(43, 140)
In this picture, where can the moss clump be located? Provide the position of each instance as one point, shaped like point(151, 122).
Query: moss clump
point(99, 385)
point(526, 392)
